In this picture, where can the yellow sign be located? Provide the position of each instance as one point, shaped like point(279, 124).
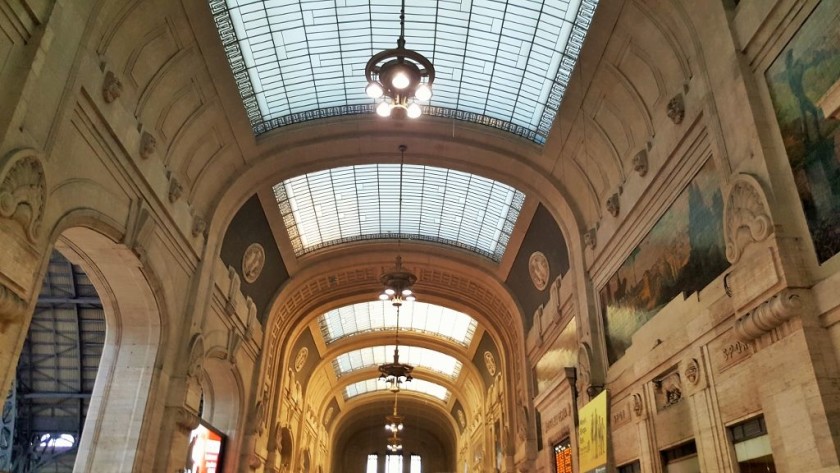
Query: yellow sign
point(592, 434)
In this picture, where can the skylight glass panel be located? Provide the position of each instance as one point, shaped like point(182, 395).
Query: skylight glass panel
point(416, 385)
point(504, 64)
point(362, 202)
point(417, 357)
point(417, 317)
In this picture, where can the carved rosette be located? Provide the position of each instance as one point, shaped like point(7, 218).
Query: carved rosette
point(769, 315)
point(23, 190)
point(746, 216)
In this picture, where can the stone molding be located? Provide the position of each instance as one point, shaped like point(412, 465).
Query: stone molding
point(186, 420)
point(12, 307)
point(23, 190)
point(746, 216)
point(770, 314)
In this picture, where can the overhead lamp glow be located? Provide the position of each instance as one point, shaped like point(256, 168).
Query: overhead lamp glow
point(414, 111)
point(374, 90)
point(384, 109)
point(423, 93)
point(400, 80)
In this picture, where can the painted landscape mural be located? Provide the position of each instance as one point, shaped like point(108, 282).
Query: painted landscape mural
point(807, 68)
point(683, 252)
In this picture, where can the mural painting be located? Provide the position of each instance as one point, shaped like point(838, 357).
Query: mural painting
point(799, 79)
point(683, 252)
point(562, 354)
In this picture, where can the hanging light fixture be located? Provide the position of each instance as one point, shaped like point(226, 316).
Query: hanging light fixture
point(394, 422)
point(400, 77)
point(394, 443)
point(398, 284)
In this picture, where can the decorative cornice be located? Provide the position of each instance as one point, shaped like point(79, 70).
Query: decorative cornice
point(746, 216)
point(769, 315)
point(186, 420)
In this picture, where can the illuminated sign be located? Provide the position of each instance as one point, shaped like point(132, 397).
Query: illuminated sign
point(592, 435)
point(563, 457)
point(206, 446)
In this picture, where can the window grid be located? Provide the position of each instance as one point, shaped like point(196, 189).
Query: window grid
point(504, 64)
point(415, 356)
point(415, 317)
point(361, 202)
point(416, 385)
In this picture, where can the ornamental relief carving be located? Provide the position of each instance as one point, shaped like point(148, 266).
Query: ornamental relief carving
point(746, 216)
point(253, 261)
point(23, 191)
point(539, 270)
point(770, 314)
point(12, 307)
point(111, 87)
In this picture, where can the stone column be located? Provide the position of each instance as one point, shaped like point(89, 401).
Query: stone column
point(648, 451)
point(714, 450)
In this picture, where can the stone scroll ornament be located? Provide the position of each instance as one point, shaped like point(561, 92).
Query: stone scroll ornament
point(746, 216)
point(23, 191)
point(770, 314)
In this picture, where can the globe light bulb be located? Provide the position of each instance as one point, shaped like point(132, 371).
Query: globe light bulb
point(384, 109)
point(373, 90)
point(423, 93)
point(410, 298)
point(414, 111)
point(406, 292)
point(400, 80)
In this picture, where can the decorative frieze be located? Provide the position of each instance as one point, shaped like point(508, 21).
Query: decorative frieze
point(746, 216)
point(23, 190)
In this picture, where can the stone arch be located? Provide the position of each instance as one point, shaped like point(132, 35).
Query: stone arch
point(133, 339)
point(224, 406)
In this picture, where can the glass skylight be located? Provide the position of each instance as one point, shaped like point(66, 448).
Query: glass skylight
point(378, 316)
point(504, 64)
point(415, 356)
point(362, 202)
point(417, 385)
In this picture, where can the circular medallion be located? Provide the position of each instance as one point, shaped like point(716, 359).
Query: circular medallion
point(300, 359)
point(252, 262)
point(490, 363)
point(538, 268)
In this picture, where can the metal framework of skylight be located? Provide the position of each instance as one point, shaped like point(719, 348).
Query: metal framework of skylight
point(416, 385)
point(352, 203)
point(416, 317)
point(421, 357)
point(504, 64)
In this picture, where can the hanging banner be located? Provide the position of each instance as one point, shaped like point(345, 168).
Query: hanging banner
point(592, 435)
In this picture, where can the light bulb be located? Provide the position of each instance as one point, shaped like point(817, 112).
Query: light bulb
point(400, 80)
point(406, 292)
point(414, 111)
point(383, 297)
point(373, 90)
point(390, 291)
point(423, 93)
point(384, 109)
point(410, 298)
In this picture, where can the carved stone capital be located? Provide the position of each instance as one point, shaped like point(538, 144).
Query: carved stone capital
point(111, 87)
point(590, 238)
point(746, 216)
point(613, 205)
point(148, 145)
point(186, 420)
point(676, 109)
point(175, 189)
point(12, 307)
point(640, 163)
point(770, 314)
point(23, 190)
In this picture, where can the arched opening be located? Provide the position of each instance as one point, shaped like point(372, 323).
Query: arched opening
point(222, 407)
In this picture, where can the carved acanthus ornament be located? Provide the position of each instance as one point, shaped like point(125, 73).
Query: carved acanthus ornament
point(770, 314)
point(746, 216)
point(23, 190)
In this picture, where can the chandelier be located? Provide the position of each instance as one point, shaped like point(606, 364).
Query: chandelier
point(394, 443)
point(397, 77)
point(397, 282)
point(394, 422)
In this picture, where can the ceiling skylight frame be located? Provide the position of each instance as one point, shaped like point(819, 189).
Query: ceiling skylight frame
point(422, 386)
point(416, 317)
point(330, 207)
point(496, 111)
point(418, 357)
